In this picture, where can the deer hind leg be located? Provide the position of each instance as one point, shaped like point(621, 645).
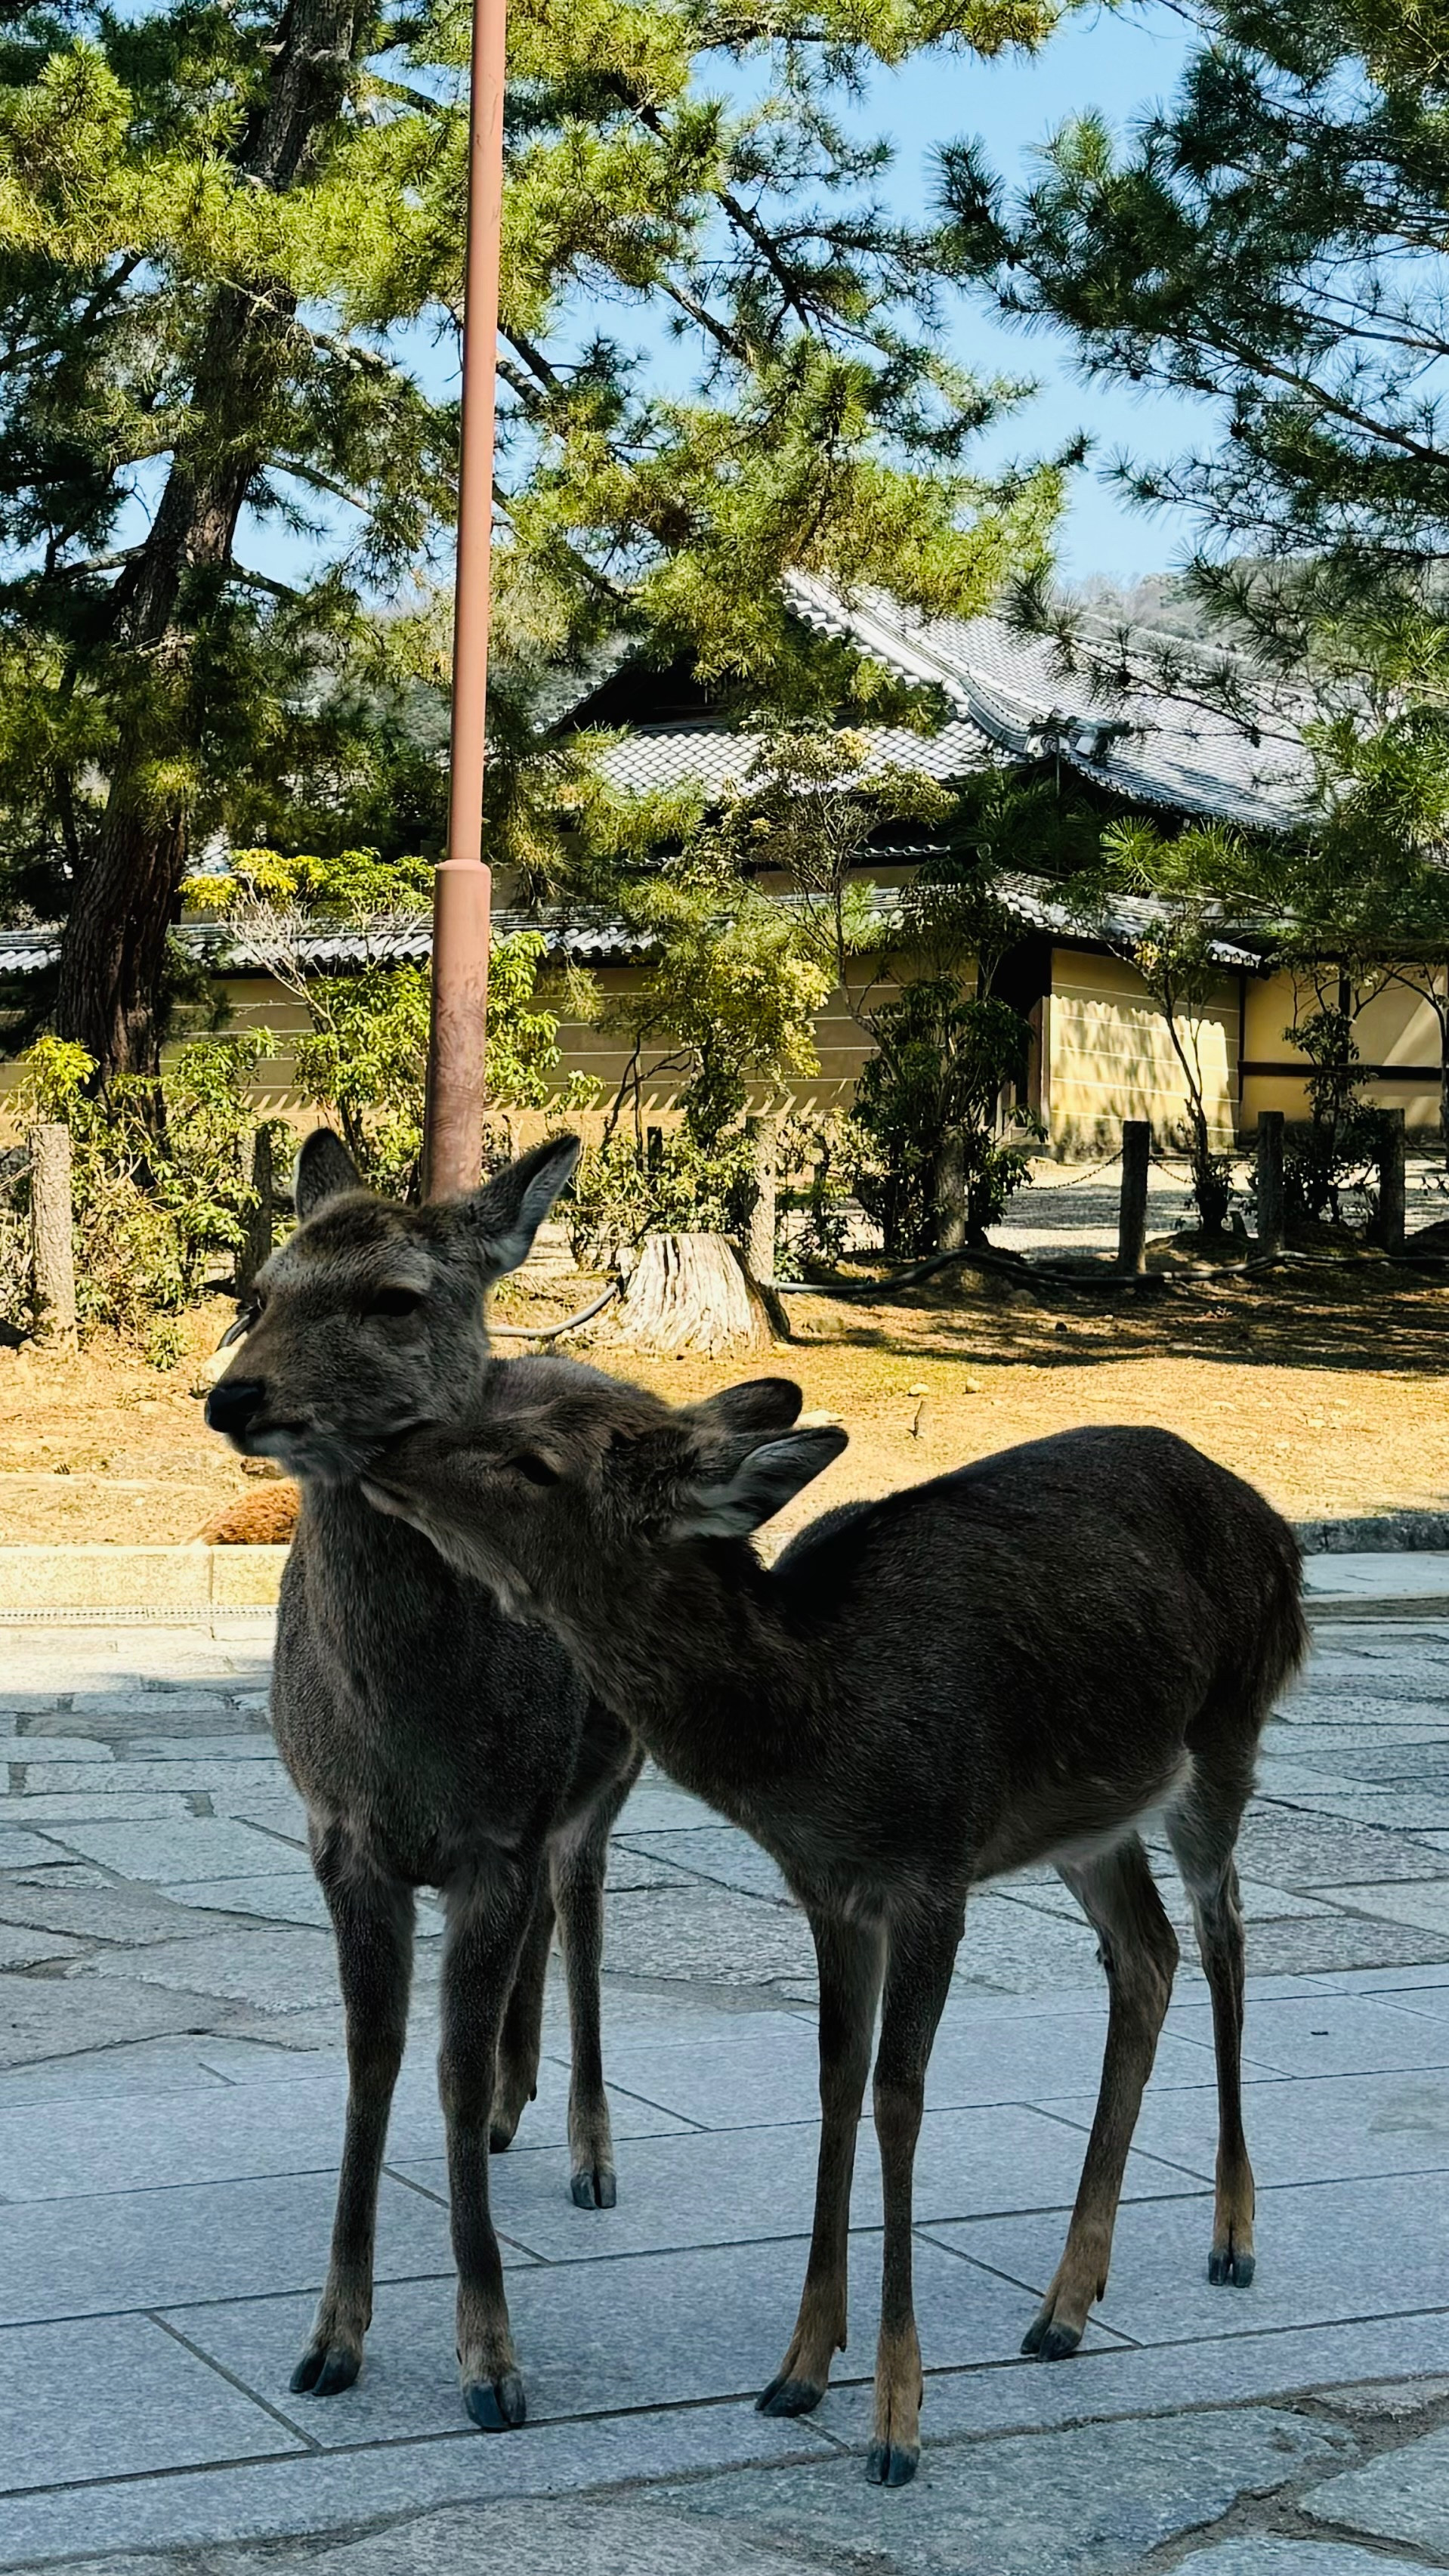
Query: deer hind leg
point(488, 1919)
point(850, 1956)
point(521, 2039)
point(922, 1949)
point(1202, 1832)
point(578, 1861)
point(372, 1919)
point(1139, 1953)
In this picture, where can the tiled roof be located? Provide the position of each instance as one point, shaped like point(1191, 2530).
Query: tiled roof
point(1012, 703)
point(408, 940)
point(594, 940)
point(1152, 746)
point(717, 760)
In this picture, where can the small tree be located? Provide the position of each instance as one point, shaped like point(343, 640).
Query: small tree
point(924, 1145)
point(161, 1177)
point(363, 1059)
point(1372, 886)
point(1195, 881)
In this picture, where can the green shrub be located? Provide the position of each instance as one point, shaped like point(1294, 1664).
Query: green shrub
point(685, 1186)
point(161, 1179)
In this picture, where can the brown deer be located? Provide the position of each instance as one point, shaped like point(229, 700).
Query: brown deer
point(1011, 1664)
point(436, 1742)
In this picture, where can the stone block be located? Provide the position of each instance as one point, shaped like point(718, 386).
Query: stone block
point(1326, 2252)
point(283, 1969)
point(118, 2397)
point(1401, 2495)
point(192, 1847)
point(1092, 2500)
point(202, 2242)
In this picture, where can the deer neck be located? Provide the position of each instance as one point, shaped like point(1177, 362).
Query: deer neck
point(692, 1649)
point(374, 1576)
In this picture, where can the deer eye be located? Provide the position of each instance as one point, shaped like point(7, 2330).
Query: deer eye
point(537, 1470)
point(394, 1301)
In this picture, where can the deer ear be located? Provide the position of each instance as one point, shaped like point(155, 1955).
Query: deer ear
point(764, 1481)
point(324, 1169)
point(761, 1404)
point(494, 1227)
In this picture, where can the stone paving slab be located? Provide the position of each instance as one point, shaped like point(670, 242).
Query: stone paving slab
point(1402, 2496)
point(120, 2145)
point(222, 2240)
point(1325, 2251)
point(336, 2492)
point(173, 2108)
point(1109, 2382)
point(1330, 2129)
point(134, 2400)
point(1261, 2556)
point(604, 2337)
point(77, 2017)
point(1326, 2034)
point(198, 1847)
point(754, 2184)
point(1094, 2501)
point(280, 1970)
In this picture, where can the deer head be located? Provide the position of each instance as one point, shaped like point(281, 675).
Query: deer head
point(369, 1319)
point(558, 1479)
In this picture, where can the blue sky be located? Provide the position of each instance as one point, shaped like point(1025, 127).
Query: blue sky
point(1120, 63)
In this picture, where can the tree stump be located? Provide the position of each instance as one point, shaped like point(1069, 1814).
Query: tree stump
point(52, 1255)
point(689, 1293)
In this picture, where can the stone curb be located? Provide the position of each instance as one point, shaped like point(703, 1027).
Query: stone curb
point(156, 1582)
point(1399, 1533)
point(197, 1582)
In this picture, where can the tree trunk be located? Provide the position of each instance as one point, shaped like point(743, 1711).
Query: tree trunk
point(257, 1246)
point(764, 1135)
point(950, 1191)
point(52, 1256)
point(113, 952)
point(689, 1293)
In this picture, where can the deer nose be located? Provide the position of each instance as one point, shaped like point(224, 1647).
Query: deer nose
point(232, 1403)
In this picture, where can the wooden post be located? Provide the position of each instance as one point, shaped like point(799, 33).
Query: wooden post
point(1132, 1214)
point(1272, 1207)
point(764, 1135)
point(257, 1246)
point(52, 1257)
point(1389, 1223)
point(951, 1191)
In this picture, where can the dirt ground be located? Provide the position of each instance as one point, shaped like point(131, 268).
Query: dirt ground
point(1329, 1388)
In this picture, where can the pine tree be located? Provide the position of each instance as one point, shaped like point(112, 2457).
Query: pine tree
point(1274, 240)
point(225, 233)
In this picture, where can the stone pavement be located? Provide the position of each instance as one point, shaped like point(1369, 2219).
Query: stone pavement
point(171, 2085)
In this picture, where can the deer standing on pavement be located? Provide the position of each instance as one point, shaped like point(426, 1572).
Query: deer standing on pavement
point(437, 1742)
point(1011, 1664)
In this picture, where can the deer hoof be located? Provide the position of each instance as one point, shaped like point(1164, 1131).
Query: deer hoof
point(497, 2405)
point(892, 2464)
point(1051, 2338)
point(789, 2397)
point(595, 2187)
point(325, 2369)
point(1228, 2263)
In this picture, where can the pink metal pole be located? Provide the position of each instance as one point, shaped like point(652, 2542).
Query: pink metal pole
point(462, 885)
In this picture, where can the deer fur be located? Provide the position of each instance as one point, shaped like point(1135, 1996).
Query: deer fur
point(1012, 1664)
point(437, 1742)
